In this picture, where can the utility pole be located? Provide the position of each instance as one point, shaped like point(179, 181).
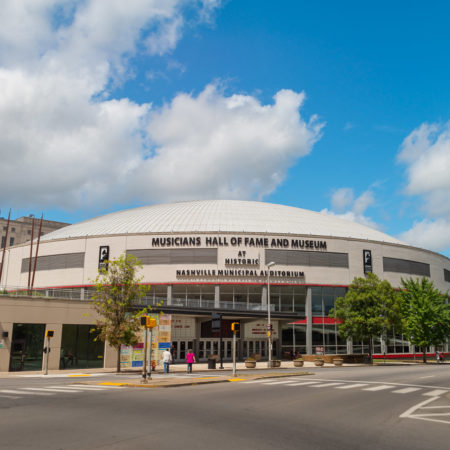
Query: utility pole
point(48, 334)
point(235, 329)
point(149, 323)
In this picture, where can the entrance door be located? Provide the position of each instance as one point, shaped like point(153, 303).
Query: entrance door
point(253, 347)
point(207, 347)
point(27, 346)
point(180, 349)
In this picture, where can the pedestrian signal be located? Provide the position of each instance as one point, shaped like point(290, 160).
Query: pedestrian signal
point(49, 333)
point(148, 321)
point(235, 327)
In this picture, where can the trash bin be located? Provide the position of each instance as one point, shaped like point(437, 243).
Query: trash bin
point(211, 363)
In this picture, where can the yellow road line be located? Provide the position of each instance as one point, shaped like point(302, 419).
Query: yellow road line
point(237, 379)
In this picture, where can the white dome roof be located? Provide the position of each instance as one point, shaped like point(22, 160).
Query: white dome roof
point(220, 216)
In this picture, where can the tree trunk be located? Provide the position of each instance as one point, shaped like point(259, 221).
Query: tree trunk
point(370, 350)
point(424, 356)
point(118, 359)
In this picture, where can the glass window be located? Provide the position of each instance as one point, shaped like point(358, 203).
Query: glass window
point(208, 292)
point(328, 303)
point(80, 348)
point(226, 293)
point(26, 346)
point(316, 305)
point(286, 302)
point(179, 291)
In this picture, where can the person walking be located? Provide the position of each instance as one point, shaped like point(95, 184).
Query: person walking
point(438, 357)
point(167, 359)
point(190, 359)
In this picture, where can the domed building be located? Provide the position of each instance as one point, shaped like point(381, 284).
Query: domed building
point(222, 257)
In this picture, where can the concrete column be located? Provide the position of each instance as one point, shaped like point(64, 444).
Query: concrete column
point(217, 296)
point(349, 346)
point(264, 296)
point(5, 348)
point(446, 341)
point(308, 311)
point(110, 357)
point(169, 294)
point(55, 345)
point(82, 293)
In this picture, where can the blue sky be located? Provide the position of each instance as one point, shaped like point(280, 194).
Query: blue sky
point(339, 107)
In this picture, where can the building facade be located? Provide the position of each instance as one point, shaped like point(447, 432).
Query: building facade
point(20, 229)
point(207, 257)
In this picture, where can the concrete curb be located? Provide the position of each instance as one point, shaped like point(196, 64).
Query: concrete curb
point(194, 381)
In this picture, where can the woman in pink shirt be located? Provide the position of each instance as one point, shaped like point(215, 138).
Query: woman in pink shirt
point(190, 359)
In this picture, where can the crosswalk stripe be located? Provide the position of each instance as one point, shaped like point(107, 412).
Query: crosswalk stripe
point(12, 391)
point(325, 385)
point(303, 383)
point(51, 390)
point(351, 386)
point(79, 387)
point(279, 382)
point(435, 393)
point(379, 388)
point(406, 390)
point(263, 380)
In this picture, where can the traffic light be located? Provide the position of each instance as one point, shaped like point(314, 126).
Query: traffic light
point(49, 333)
point(148, 321)
point(235, 327)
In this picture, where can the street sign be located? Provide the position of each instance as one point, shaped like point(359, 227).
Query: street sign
point(216, 321)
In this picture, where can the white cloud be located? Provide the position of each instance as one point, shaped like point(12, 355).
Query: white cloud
point(432, 235)
point(365, 200)
point(426, 154)
point(353, 217)
point(223, 147)
point(65, 143)
point(343, 199)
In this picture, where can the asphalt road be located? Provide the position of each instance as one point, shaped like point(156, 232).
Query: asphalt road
point(393, 407)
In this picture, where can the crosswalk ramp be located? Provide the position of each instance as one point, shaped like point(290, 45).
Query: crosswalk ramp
point(53, 390)
point(345, 385)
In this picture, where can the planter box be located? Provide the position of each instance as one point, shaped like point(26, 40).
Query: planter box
point(348, 359)
point(250, 364)
point(276, 363)
point(319, 362)
point(298, 363)
point(338, 361)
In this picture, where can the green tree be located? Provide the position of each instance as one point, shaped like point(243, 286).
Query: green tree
point(426, 315)
point(370, 307)
point(117, 289)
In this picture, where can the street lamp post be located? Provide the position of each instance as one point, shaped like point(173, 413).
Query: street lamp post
point(269, 323)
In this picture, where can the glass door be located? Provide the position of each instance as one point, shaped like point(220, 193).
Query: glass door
point(27, 346)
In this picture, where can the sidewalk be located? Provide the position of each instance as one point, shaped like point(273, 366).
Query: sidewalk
point(174, 368)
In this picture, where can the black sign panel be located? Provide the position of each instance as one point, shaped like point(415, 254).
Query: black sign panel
point(367, 260)
point(216, 322)
point(103, 256)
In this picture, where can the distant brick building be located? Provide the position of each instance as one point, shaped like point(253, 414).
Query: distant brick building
point(20, 229)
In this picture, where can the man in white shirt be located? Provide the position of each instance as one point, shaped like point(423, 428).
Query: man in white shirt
point(167, 359)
